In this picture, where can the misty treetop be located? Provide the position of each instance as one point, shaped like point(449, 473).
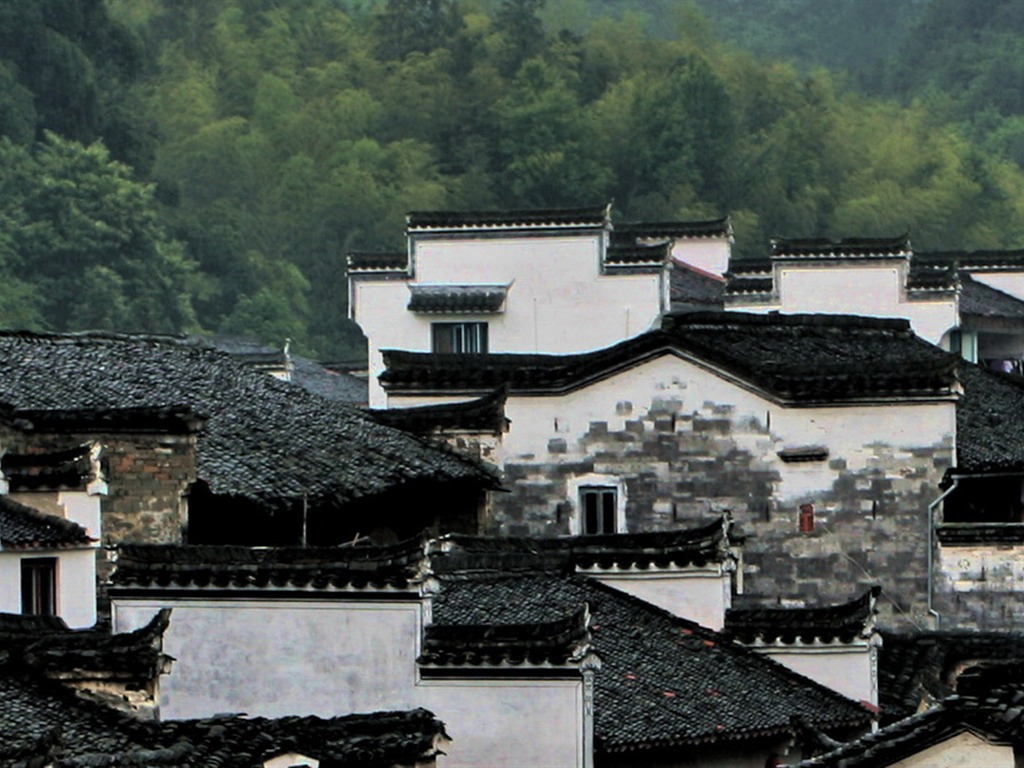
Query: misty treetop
point(270, 137)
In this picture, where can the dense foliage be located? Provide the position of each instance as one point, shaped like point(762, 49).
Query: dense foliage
point(280, 134)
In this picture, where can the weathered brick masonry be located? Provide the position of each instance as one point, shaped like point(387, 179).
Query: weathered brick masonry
point(679, 466)
point(148, 474)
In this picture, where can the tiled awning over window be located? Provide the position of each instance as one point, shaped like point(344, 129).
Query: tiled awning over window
point(457, 299)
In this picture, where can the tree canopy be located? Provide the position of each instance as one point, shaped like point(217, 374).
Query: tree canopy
point(247, 145)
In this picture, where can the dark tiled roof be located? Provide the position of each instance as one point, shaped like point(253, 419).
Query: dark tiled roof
point(173, 419)
point(42, 719)
point(844, 623)
point(697, 547)
point(746, 276)
point(457, 299)
point(312, 376)
point(988, 433)
point(895, 742)
point(264, 439)
point(484, 415)
point(354, 741)
point(916, 668)
point(664, 682)
point(37, 717)
point(928, 274)
point(135, 656)
point(737, 285)
point(235, 567)
point(693, 290)
point(40, 716)
point(631, 256)
point(252, 352)
point(988, 704)
point(798, 358)
point(547, 643)
point(748, 267)
point(674, 229)
point(852, 247)
point(391, 261)
point(325, 381)
point(21, 625)
point(52, 470)
point(594, 216)
point(978, 260)
point(22, 527)
point(983, 301)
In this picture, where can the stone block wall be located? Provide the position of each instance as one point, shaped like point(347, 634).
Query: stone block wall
point(981, 586)
point(680, 465)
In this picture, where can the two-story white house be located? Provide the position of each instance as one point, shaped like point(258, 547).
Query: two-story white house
point(550, 281)
point(969, 303)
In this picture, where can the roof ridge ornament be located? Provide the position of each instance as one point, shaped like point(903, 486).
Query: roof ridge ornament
point(97, 481)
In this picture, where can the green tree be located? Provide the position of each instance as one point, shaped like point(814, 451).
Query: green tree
point(86, 236)
point(78, 65)
point(547, 149)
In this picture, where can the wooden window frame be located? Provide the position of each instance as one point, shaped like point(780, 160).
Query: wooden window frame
point(39, 586)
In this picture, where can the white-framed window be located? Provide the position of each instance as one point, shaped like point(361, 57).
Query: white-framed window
point(39, 586)
point(458, 337)
point(600, 505)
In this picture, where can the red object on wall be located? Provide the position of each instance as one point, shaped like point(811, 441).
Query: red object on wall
point(806, 518)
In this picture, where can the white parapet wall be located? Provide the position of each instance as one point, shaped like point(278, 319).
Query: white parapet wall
point(277, 657)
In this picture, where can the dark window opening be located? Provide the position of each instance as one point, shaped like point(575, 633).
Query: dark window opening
point(39, 586)
point(598, 509)
point(400, 513)
point(458, 338)
point(986, 500)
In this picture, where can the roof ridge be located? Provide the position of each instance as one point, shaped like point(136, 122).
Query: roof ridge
point(785, 320)
point(71, 336)
point(711, 634)
point(68, 531)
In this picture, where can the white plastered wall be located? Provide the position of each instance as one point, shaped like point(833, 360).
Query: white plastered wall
point(699, 595)
point(867, 289)
point(846, 431)
point(558, 301)
point(76, 583)
point(82, 508)
point(846, 669)
point(710, 255)
point(1007, 282)
point(965, 750)
point(334, 657)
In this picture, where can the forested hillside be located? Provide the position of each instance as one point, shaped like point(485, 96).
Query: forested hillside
point(206, 164)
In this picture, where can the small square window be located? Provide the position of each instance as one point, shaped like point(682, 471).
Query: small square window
point(598, 509)
point(459, 338)
point(39, 586)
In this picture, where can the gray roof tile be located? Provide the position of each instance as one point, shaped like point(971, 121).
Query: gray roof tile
point(664, 681)
point(263, 439)
point(22, 527)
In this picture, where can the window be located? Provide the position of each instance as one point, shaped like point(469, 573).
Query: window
point(459, 337)
point(39, 586)
point(598, 506)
